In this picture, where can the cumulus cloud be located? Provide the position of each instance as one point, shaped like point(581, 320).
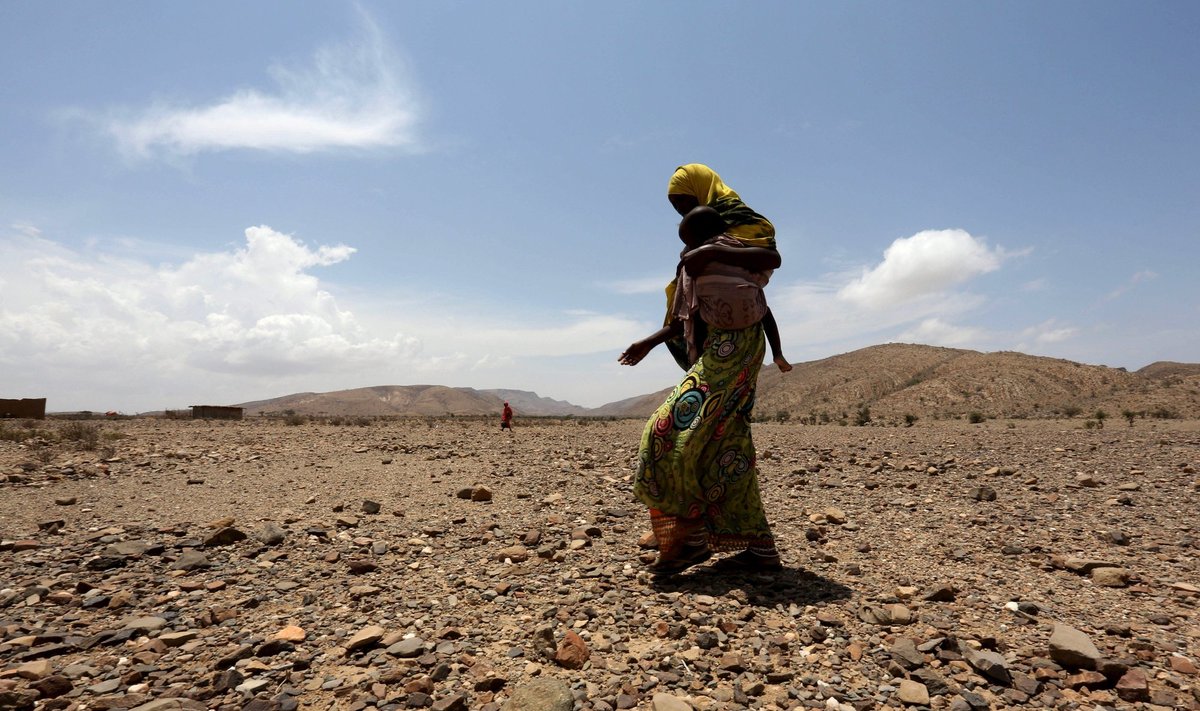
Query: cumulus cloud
point(928, 262)
point(936, 332)
point(252, 310)
point(353, 95)
point(1047, 332)
point(94, 330)
point(90, 328)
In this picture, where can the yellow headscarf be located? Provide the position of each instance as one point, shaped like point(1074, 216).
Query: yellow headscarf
point(749, 227)
point(703, 183)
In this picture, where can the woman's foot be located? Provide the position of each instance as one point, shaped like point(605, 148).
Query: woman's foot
point(688, 556)
point(751, 560)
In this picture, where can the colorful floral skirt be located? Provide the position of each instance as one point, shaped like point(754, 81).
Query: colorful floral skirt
point(696, 463)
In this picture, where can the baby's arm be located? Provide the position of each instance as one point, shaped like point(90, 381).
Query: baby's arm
point(755, 259)
point(772, 331)
point(640, 349)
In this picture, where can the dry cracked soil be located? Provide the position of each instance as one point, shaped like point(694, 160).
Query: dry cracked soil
point(446, 565)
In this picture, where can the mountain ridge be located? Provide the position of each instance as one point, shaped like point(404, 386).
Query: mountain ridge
point(894, 381)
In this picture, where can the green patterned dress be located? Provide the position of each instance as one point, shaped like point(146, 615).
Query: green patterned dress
point(696, 463)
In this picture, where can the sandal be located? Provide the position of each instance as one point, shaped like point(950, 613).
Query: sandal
point(688, 557)
point(749, 562)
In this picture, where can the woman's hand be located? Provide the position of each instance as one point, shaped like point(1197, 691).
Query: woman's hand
point(636, 352)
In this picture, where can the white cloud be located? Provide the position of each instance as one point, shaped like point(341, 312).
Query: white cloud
point(915, 293)
point(1137, 278)
point(354, 95)
point(253, 310)
point(936, 332)
point(927, 263)
point(816, 318)
point(96, 331)
point(1049, 331)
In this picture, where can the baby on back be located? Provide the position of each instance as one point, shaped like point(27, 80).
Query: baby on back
point(726, 295)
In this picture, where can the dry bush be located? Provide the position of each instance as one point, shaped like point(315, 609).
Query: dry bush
point(84, 435)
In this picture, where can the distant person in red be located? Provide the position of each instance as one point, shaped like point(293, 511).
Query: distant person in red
point(506, 418)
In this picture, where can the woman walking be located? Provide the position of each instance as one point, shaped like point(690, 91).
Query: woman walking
point(697, 468)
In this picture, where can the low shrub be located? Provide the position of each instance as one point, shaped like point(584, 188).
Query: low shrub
point(83, 434)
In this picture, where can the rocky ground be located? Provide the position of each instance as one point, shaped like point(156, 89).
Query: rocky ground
point(257, 565)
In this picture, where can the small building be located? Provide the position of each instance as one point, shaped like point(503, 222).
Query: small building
point(28, 407)
point(216, 412)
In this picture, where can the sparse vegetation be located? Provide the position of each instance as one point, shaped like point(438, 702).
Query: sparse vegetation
point(84, 435)
point(294, 419)
point(782, 416)
point(862, 416)
point(975, 418)
point(1071, 410)
point(1128, 415)
point(1093, 424)
point(28, 429)
point(910, 419)
point(1100, 417)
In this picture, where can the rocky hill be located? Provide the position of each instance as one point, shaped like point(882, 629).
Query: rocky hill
point(637, 406)
point(893, 382)
point(896, 380)
point(529, 403)
point(411, 400)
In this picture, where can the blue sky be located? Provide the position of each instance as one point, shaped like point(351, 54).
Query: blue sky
point(222, 202)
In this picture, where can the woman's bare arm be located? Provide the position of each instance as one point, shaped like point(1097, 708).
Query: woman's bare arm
point(640, 349)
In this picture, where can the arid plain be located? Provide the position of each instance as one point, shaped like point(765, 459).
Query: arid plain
point(444, 564)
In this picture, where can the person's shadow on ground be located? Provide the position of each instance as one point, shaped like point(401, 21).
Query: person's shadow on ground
point(785, 587)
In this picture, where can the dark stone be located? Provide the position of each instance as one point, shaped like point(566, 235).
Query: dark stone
point(990, 664)
point(105, 562)
point(17, 700)
point(273, 647)
point(224, 537)
point(905, 653)
point(454, 702)
point(1025, 683)
point(191, 560)
point(226, 680)
point(935, 683)
point(243, 652)
point(52, 686)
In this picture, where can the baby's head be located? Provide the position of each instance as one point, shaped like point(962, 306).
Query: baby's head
point(700, 225)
